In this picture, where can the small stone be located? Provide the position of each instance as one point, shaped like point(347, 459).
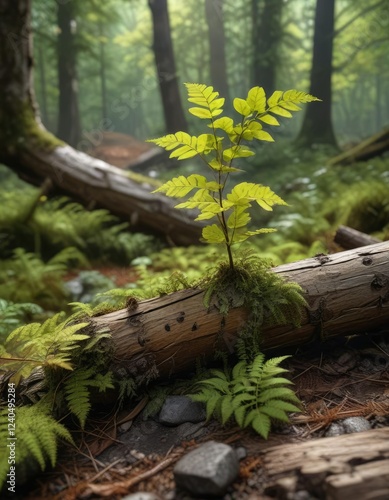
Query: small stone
point(142, 495)
point(335, 429)
point(208, 470)
point(179, 409)
point(356, 424)
point(241, 452)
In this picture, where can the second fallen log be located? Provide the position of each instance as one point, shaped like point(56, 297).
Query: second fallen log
point(347, 293)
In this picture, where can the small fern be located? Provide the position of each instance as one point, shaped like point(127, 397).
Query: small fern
point(40, 345)
point(252, 393)
point(77, 392)
point(37, 434)
point(13, 315)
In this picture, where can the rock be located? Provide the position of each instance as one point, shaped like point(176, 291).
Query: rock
point(142, 495)
point(241, 452)
point(356, 424)
point(335, 429)
point(179, 409)
point(208, 470)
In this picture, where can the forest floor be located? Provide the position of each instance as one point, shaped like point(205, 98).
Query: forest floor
point(123, 453)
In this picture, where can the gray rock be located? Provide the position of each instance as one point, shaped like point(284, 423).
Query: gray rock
point(208, 470)
point(335, 429)
point(142, 495)
point(356, 424)
point(75, 288)
point(179, 409)
point(241, 452)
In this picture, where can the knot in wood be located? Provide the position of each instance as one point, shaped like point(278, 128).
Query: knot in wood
point(367, 261)
point(379, 282)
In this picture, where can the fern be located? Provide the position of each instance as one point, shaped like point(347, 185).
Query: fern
point(37, 433)
point(231, 211)
point(13, 315)
point(251, 393)
point(40, 345)
point(77, 392)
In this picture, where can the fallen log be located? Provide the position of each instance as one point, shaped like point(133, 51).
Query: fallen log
point(337, 468)
point(348, 238)
point(375, 145)
point(347, 293)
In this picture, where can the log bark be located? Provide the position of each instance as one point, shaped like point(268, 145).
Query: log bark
point(347, 293)
point(98, 184)
point(349, 238)
point(373, 146)
point(337, 468)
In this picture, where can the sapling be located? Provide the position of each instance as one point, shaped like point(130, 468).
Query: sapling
point(219, 149)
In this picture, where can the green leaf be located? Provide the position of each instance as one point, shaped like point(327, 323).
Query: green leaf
point(274, 98)
point(217, 165)
point(183, 153)
point(216, 104)
point(241, 106)
point(213, 234)
point(201, 113)
point(245, 192)
point(262, 135)
point(237, 152)
point(261, 424)
point(269, 119)
point(256, 99)
point(239, 217)
point(181, 186)
point(275, 413)
point(224, 123)
point(278, 110)
point(226, 409)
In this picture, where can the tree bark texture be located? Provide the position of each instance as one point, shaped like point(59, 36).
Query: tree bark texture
point(98, 184)
point(266, 36)
point(347, 293)
point(317, 125)
point(217, 40)
point(166, 67)
point(337, 468)
point(69, 124)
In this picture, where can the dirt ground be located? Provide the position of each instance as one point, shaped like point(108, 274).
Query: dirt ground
point(343, 378)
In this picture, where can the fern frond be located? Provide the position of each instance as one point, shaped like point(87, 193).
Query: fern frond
point(207, 98)
point(77, 394)
point(37, 433)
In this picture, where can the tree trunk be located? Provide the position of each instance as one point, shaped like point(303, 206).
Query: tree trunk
point(166, 67)
point(217, 41)
point(347, 293)
point(103, 80)
point(69, 125)
point(36, 155)
point(266, 36)
point(317, 125)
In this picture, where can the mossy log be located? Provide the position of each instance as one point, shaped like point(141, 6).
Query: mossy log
point(98, 184)
point(371, 147)
point(348, 238)
point(347, 293)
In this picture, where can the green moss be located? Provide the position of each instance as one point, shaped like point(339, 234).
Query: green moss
point(251, 284)
point(21, 130)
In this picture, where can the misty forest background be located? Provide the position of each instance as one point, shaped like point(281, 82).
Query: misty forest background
point(105, 68)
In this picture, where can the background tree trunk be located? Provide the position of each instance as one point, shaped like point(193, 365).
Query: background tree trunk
point(217, 41)
point(317, 125)
point(266, 36)
point(36, 155)
point(69, 124)
point(166, 67)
